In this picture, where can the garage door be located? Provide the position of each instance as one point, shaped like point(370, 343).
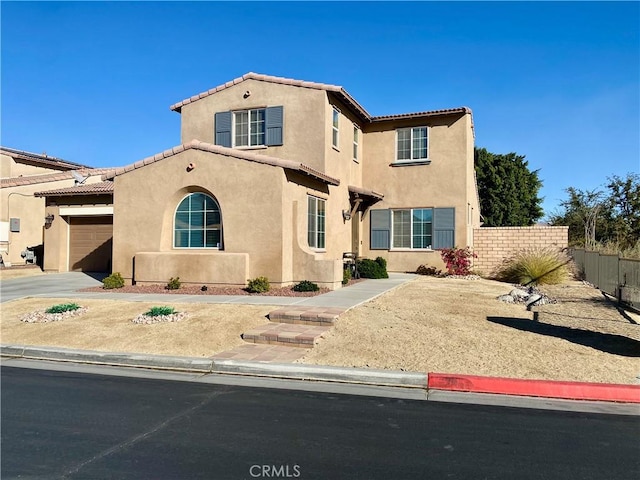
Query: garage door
point(90, 240)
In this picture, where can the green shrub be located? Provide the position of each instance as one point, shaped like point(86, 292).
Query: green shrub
point(457, 260)
point(306, 286)
point(63, 307)
point(373, 268)
point(174, 283)
point(159, 311)
point(258, 285)
point(536, 266)
point(346, 276)
point(114, 280)
point(431, 271)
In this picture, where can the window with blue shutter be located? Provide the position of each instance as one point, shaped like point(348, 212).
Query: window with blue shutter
point(444, 225)
point(380, 229)
point(250, 128)
point(274, 121)
point(223, 129)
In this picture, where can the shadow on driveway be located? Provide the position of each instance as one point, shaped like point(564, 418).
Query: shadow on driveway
point(605, 342)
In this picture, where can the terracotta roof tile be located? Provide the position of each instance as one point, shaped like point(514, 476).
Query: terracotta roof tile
point(228, 152)
point(430, 113)
point(50, 177)
point(365, 192)
point(90, 189)
point(41, 159)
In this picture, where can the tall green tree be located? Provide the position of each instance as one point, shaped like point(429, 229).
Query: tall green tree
point(508, 190)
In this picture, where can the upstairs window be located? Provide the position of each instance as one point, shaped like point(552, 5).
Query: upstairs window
point(316, 208)
point(197, 223)
point(334, 128)
point(255, 127)
point(356, 140)
point(412, 144)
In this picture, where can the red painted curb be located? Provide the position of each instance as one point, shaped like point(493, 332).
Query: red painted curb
point(605, 392)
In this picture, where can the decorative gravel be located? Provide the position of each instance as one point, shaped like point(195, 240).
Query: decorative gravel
point(40, 316)
point(147, 319)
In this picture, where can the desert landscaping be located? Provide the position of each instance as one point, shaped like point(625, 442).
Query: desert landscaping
point(429, 324)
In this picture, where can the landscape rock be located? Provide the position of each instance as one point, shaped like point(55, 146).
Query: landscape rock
point(519, 293)
point(533, 300)
point(507, 299)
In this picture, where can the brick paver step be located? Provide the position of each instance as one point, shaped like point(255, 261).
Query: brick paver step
point(299, 315)
point(285, 334)
point(254, 352)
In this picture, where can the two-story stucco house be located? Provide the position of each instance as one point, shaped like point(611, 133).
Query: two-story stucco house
point(279, 178)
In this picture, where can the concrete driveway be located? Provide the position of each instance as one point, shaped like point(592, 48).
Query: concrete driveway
point(53, 284)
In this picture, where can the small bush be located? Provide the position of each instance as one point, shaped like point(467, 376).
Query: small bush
point(159, 311)
point(537, 266)
point(63, 307)
point(259, 285)
point(204, 288)
point(346, 276)
point(457, 260)
point(306, 286)
point(431, 271)
point(174, 283)
point(373, 268)
point(114, 280)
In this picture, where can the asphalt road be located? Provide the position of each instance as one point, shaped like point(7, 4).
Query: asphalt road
point(83, 426)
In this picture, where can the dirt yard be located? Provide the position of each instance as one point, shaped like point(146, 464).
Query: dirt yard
point(457, 326)
point(429, 324)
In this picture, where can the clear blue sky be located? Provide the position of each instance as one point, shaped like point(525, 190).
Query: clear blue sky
point(92, 82)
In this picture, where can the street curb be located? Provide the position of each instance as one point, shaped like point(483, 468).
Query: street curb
point(603, 392)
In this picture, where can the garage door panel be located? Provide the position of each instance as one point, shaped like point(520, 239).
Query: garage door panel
point(90, 243)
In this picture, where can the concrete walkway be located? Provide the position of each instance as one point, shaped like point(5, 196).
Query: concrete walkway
point(65, 285)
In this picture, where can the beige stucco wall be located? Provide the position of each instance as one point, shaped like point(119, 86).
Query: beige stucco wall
point(19, 202)
point(257, 204)
point(494, 244)
point(12, 168)
point(304, 109)
point(447, 181)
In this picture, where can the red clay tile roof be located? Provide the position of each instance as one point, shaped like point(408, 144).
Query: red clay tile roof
point(84, 189)
point(365, 192)
point(50, 177)
point(339, 91)
point(41, 159)
point(228, 152)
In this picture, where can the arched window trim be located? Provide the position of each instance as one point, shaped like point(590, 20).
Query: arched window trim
point(218, 246)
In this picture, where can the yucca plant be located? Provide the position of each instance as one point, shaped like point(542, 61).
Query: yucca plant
point(535, 266)
point(159, 311)
point(62, 308)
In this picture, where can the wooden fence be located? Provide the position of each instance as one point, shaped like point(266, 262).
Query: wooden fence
point(615, 276)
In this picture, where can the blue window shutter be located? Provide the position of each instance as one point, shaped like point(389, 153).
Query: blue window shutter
point(273, 123)
point(380, 229)
point(444, 225)
point(223, 129)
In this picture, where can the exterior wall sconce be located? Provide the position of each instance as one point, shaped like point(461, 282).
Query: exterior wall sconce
point(346, 215)
point(48, 220)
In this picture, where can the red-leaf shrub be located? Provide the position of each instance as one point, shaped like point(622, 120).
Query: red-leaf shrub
point(457, 260)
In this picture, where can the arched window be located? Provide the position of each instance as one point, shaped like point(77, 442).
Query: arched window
point(198, 223)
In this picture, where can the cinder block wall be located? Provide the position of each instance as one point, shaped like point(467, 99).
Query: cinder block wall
point(494, 244)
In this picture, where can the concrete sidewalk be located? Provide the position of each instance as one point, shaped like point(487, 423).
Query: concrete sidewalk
point(66, 285)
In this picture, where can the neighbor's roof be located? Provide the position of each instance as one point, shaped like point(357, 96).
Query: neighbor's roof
point(228, 152)
point(101, 188)
point(336, 89)
point(50, 177)
point(41, 159)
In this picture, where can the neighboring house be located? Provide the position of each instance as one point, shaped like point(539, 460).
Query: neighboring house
point(22, 217)
point(279, 178)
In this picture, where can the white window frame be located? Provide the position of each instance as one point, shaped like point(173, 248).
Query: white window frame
point(411, 247)
point(316, 234)
point(356, 143)
point(412, 159)
point(335, 128)
point(219, 246)
point(249, 132)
